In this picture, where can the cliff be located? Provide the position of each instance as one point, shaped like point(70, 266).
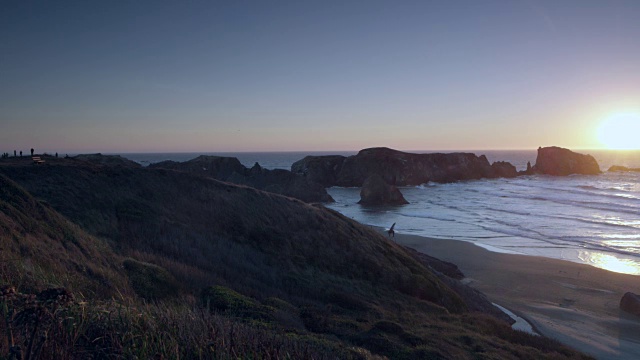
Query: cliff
point(397, 168)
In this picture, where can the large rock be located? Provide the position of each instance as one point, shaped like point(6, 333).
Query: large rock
point(630, 303)
point(319, 169)
point(230, 169)
point(217, 167)
point(375, 191)
point(395, 167)
point(282, 182)
point(560, 161)
point(619, 168)
point(504, 169)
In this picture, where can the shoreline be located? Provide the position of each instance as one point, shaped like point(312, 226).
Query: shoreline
point(576, 304)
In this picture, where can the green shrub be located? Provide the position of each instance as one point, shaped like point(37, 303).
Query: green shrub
point(225, 300)
point(151, 282)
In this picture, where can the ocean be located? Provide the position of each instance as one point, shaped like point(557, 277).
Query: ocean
point(588, 219)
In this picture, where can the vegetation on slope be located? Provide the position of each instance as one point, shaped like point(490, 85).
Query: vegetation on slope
point(244, 272)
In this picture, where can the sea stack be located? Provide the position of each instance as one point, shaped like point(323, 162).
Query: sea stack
point(375, 191)
point(561, 162)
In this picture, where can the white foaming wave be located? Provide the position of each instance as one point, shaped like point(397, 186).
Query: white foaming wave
point(620, 206)
point(427, 216)
point(604, 222)
point(568, 241)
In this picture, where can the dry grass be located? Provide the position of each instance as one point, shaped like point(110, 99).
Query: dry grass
point(290, 280)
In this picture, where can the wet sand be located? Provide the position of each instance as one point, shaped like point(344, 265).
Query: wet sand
point(574, 303)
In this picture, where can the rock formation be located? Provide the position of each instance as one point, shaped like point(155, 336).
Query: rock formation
point(504, 169)
point(375, 191)
point(396, 167)
point(282, 182)
point(217, 167)
point(320, 169)
point(630, 303)
point(230, 169)
point(561, 162)
point(620, 168)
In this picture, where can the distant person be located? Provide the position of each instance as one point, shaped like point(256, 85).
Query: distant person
point(14, 153)
point(20, 153)
point(56, 154)
point(391, 232)
point(31, 151)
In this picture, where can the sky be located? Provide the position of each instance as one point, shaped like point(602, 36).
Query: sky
point(212, 76)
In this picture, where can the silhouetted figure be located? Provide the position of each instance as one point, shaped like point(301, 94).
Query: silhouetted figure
point(20, 153)
point(56, 154)
point(31, 151)
point(14, 153)
point(391, 232)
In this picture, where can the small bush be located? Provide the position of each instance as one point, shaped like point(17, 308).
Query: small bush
point(225, 300)
point(151, 282)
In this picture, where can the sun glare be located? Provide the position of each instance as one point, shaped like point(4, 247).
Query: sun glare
point(620, 132)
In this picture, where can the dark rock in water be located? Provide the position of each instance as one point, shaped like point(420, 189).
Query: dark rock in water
point(320, 169)
point(620, 168)
point(395, 167)
point(108, 160)
point(630, 303)
point(375, 191)
point(559, 161)
point(217, 167)
point(504, 169)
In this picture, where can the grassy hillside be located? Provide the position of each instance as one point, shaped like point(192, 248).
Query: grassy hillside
point(268, 266)
point(39, 247)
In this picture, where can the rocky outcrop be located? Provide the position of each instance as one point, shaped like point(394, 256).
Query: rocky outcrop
point(619, 168)
point(504, 169)
point(630, 303)
point(395, 167)
point(319, 169)
point(231, 170)
point(217, 167)
point(561, 162)
point(375, 191)
point(282, 182)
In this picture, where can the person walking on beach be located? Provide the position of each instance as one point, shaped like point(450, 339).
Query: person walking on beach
point(31, 151)
point(391, 232)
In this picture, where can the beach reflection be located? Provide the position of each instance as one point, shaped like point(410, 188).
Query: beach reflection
point(611, 263)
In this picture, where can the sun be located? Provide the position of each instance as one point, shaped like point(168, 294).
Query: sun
point(620, 132)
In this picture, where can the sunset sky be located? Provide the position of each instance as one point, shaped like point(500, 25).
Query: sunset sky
point(169, 76)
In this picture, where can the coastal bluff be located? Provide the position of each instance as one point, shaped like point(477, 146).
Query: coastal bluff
point(230, 169)
point(398, 168)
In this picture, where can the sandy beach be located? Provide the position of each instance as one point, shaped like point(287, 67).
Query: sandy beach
point(574, 303)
